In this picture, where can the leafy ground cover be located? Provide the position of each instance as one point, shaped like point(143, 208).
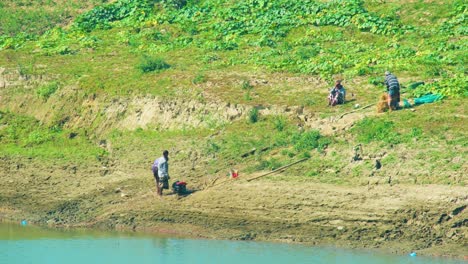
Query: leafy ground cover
point(252, 53)
point(91, 92)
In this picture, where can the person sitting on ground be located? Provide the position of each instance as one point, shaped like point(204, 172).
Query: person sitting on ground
point(337, 94)
point(393, 90)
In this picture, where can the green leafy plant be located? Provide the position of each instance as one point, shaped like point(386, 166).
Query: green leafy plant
point(279, 122)
point(102, 16)
point(152, 64)
point(45, 91)
point(253, 115)
point(199, 78)
point(373, 129)
point(271, 164)
point(245, 85)
point(309, 140)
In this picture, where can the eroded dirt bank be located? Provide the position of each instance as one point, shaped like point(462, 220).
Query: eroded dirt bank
point(429, 219)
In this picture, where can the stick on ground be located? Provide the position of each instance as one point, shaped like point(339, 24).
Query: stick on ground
point(279, 169)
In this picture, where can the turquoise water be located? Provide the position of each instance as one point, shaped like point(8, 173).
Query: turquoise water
point(20, 244)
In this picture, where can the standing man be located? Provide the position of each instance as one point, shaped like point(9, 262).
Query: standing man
point(393, 90)
point(161, 172)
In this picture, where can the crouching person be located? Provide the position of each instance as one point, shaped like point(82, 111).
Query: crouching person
point(337, 94)
point(393, 90)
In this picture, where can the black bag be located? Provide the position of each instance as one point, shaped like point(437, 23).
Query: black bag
point(179, 187)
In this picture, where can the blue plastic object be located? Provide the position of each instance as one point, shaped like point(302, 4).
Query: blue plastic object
point(428, 98)
point(406, 104)
point(412, 254)
point(24, 222)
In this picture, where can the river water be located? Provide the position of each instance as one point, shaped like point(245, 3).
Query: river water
point(28, 244)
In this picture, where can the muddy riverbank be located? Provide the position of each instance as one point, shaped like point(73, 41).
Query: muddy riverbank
point(428, 219)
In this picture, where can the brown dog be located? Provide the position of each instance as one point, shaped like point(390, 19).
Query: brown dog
point(382, 105)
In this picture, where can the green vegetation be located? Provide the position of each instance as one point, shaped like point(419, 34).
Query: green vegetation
point(47, 90)
point(369, 130)
point(297, 41)
point(149, 64)
point(253, 115)
point(28, 19)
point(253, 53)
point(23, 136)
point(309, 140)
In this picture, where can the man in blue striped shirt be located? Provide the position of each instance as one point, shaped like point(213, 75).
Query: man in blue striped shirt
point(393, 89)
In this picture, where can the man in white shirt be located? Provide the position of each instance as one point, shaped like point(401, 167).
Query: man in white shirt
point(161, 172)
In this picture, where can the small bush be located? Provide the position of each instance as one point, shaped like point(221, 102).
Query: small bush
point(47, 90)
point(253, 115)
point(377, 81)
point(305, 155)
point(247, 96)
point(212, 147)
point(279, 122)
point(209, 58)
point(370, 129)
point(38, 137)
point(287, 152)
point(150, 64)
point(271, 164)
point(306, 141)
point(246, 85)
point(200, 78)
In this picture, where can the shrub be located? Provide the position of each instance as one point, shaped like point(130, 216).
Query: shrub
point(306, 141)
point(47, 90)
point(247, 96)
point(200, 78)
point(370, 129)
point(271, 164)
point(150, 64)
point(376, 80)
point(38, 137)
point(279, 122)
point(212, 147)
point(253, 115)
point(246, 85)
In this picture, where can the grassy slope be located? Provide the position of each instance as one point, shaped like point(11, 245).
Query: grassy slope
point(296, 68)
point(35, 17)
point(103, 63)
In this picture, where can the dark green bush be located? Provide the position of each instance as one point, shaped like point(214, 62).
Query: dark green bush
point(271, 164)
point(306, 141)
point(47, 90)
point(200, 78)
point(372, 129)
point(253, 115)
point(246, 85)
point(309, 140)
point(280, 122)
point(150, 64)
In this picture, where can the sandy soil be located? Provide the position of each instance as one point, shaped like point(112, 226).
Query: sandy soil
point(429, 219)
